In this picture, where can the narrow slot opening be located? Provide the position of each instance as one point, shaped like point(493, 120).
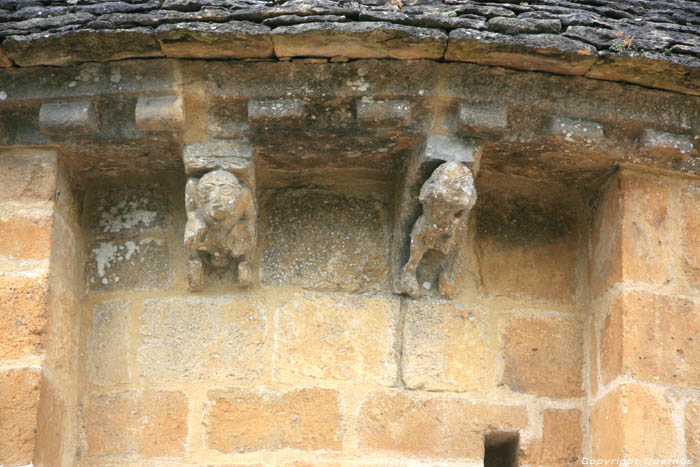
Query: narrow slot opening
point(501, 450)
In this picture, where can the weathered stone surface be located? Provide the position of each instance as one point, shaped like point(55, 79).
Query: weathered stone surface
point(162, 113)
point(383, 114)
point(514, 26)
point(477, 118)
point(128, 211)
point(337, 337)
point(242, 421)
point(692, 430)
point(22, 315)
point(25, 237)
point(659, 140)
point(690, 200)
point(451, 148)
point(575, 130)
point(85, 45)
point(444, 347)
point(537, 52)
point(652, 70)
point(412, 425)
point(66, 119)
point(262, 111)
point(536, 349)
point(188, 338)
point(51, 437)
point(358, 40)
point(109, 343)
point(232, 155)
point(561, 440)
point(324, 240)
point(127, 265)
point(634, 422)
point(235, 39)
point(652, 337)
point(27, 177)
point(149, 424)
point(19, 401)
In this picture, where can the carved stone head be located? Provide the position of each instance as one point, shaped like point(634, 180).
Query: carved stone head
point(217, 195)
point(450, 189)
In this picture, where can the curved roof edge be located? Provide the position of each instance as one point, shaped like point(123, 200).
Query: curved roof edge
point(652, 43)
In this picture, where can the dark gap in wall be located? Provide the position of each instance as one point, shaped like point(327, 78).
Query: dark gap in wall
point(501, 450)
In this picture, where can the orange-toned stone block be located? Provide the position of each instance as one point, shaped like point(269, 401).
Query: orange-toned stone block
point(150, 424)
point(692, 431)
point(653, 337)
point(19, 399)
point(444, 347)
point(337, 337)
point(23, 237)
point(22, 315)
point(543, 356)
point(242, 421)
point(413, 425)
point(690, 210)
point(605, 269)
point(593, 356)
point(633, 421)
point(51, 426)
point(526, 248)
point(27, 178)
point(561, 440)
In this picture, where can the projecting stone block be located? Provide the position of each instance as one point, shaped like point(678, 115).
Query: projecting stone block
point(383, 114)
point(125, 265)
point(451, 148)
point(261, 111)
point(202, 338)
point(65, 119)
point(653, 139)
point(478, 118)
point(573, 130)
point(234, 156)
point(337, 337)
point(162, 113)
point(109, 343)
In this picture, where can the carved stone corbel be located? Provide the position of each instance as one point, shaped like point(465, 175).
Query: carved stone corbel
point(221, 214)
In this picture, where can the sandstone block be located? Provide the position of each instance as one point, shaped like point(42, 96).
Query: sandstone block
point(51, 433)
point(232, 155)
point(383, 114)
point(84, 45)
point(27, 178)
point(22, 315)
point(65, 119)
point(149, 424)
point(337, 337)
point(478, 118)
point(358, 40)
point(573, 130)
point(633, 421)
point(60, 336)
point(532, 52)
point(234, 39)
point(127, 265)
point(412, 425)
point(325, 240)
point(444, 347)
point(128, 210)
point(161, 113)
point(109, 343)
point(242, 421)
point(605, 268)
point(543, 356)
point(19, 399)
point(261, 111)
point(191, 338)
point(526, 246)
point(25, 237)
point(653, 337)
point(561, 440)
point(690, 200)
point(692, 431)
point(660, 140)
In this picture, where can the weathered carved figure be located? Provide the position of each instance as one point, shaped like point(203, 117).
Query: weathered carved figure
point(220, 225)
point(446, 197)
